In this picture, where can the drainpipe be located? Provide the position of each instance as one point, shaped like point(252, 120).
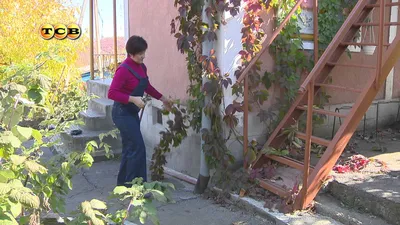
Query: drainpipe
point(204, 176)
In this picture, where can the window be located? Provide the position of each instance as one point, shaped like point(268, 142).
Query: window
point(157, 116)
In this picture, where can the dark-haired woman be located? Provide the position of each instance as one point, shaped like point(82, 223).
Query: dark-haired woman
point(127, 88)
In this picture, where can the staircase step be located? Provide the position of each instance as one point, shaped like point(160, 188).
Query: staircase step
point(99, 87)
point(92, 114)
point(322, 111)
point(378, 5)
point(338, 87)
point(96, 121)
point(101, 105)
point(351, 65)
point(314, 139)
point(378, 195)
point(78, 142)
point(328, 206)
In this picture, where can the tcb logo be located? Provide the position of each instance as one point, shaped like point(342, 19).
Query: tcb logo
point(60, 31)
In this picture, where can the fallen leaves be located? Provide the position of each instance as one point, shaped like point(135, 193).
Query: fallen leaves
point(355, 163)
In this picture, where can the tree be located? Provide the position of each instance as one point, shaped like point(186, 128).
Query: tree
point(20, 41)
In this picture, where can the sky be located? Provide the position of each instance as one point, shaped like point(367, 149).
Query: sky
point(106, 26)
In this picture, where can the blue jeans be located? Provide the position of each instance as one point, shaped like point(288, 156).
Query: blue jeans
point(133, 158)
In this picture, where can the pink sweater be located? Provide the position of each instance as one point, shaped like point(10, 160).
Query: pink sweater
point(124, 82)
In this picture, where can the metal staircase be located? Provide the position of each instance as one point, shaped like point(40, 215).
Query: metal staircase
point(386, 54)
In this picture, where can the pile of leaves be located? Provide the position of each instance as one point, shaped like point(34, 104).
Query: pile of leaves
point(354, 163)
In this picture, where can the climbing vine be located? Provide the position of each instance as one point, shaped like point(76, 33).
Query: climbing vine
point(331, 16)
point(173, 136)
point(191, 32)
point(290, 65)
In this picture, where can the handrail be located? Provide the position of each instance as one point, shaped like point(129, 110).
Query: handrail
point(266, 44)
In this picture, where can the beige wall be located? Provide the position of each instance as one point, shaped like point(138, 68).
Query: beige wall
point(166, 66)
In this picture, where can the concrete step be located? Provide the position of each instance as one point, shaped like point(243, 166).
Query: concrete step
point(328, 206)
point(378, 195)
point(99, 87)
point(78, 142)
point(101, 105)
point(96, 121)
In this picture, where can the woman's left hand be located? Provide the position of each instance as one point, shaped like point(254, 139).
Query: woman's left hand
point(167, 103)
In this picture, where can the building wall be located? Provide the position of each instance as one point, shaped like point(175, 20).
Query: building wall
point(166, 66)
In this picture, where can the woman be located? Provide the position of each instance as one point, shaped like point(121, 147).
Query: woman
point(127, 88)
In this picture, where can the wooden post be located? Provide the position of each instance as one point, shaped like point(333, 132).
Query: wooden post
point(306, 169)
point(115, 34)
point(91, 39)
point(98, 38)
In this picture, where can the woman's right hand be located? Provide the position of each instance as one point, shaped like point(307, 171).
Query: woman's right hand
point(137, 101)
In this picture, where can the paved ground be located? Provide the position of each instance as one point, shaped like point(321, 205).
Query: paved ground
point(189, 209)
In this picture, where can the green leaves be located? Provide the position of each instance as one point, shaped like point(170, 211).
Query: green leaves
point(4, 188)
point(159, 195)
point(8, 138)
point(87, 160)
point(97, 204)
point(273, 151)
point(6, 175)
point(17, 159)
point(151, 211)
point(37, 94)
point(18, 193)
point(140, 206)
point(15, 208)
point(12, 115)
point(23, 133)
point(17, 135)
point(37, 136)
point(95, 216)
point(34, 167)
point(120, 190)
point(16, 87)
point(172, 137)
point(7, 219)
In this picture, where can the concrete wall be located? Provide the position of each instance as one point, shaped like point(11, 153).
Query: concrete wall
point(185, 158)
point(380, 114)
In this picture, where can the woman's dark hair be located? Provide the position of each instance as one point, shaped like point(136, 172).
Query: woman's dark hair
point(135, 45)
